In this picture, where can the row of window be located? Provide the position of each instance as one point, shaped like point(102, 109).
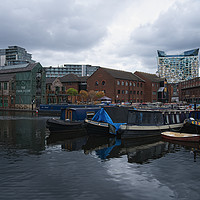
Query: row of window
point(120, 83)
point(129, 92)
point(3, 86)
point(102, 83)
point(129, 83)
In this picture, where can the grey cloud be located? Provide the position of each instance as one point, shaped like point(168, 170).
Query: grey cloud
point(178, 29)
point(64, 25)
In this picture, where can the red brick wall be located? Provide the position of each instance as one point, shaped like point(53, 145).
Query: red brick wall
point(148, 91)
point(98, 77)
point(111, 87)
point(71, 85)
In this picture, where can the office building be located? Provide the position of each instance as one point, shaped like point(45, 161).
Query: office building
point(14, 55)
point(177, 68)
point(77, 69)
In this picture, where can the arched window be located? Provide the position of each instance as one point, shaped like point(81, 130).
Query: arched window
point(96, 83)
point(103, 82)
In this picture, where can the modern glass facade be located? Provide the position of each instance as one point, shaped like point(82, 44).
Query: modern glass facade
point(176, 68)
point(79, 70)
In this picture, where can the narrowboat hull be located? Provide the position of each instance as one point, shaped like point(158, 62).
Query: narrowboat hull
point(181, 136)
point(192, 126)
point(136, 131)
point(57, 125)
point(102, 128)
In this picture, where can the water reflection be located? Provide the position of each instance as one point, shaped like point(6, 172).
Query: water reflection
point(137, 151)
point(22, 132)
point(27, 131)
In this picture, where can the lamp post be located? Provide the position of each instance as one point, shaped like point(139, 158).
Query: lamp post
point(33, 101)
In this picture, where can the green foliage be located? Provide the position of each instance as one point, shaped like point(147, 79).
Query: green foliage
point(72, 92)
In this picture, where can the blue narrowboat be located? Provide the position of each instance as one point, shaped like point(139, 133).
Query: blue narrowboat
point(71, 119)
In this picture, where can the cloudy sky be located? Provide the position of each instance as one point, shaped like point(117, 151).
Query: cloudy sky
point(118, 34)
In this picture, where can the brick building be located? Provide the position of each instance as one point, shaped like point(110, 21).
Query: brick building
point(189, 91)
point(155, 88)
point(56, 87)
point(118, 85)
point(22, 86)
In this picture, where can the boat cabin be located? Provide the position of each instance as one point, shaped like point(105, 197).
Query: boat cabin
point(78, 114)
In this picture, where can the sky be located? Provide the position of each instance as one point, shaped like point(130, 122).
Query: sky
point(117, 34)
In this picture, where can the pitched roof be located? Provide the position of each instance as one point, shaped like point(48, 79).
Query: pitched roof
point(50, 80)
point(122, 74)
point(83, 78)
point(6, 77)
point(17, 68)
point(70, 78)
point(151, 77)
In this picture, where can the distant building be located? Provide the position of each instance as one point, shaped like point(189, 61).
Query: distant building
point(22, 86)
point(79, 70)
point(189, 91)
point(56, 88)
point(120, 86)
point(176, 68)
point(14, 55)
point(155, 88)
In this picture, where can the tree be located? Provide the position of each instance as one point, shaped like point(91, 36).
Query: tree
point(84, 95)
point(100, 94)
point(72, 92)
point(91, 95)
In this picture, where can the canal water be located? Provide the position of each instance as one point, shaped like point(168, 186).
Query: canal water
point(35, 164)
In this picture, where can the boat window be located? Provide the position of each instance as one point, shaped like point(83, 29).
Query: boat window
point(167, 119)
point(173, 119)
point(90, 114)
point(177, 118)
point(158, 118)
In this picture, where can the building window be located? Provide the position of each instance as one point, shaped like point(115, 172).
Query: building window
point(126, 83)
point(122, 82)
point(103, 82)
point(126, 91)
point(5, 86)
point(141, 92)
point(137, 92)
point(154, 93)
point(134, 92)
point(131, 92)
point(96, 83)
point(122, 91)
point(140, 84)
point(12, 86)
point(130, 83)
point(152, 84)
point(118, 82)
point(133, 84)
point(63, 89)
point(137, 84)
point(118, 91)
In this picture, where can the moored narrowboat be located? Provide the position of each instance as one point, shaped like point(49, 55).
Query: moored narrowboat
point(146, 123)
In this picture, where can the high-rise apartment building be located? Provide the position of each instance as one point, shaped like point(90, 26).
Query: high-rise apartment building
point(177, 68)
point(14, 55)
point(77, 69)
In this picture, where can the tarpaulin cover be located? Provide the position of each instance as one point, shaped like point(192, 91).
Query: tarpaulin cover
point(103, 116)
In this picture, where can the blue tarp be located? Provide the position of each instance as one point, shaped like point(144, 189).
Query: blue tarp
point(102, 116)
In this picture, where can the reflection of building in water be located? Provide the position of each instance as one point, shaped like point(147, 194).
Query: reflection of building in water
point(6, 132)
point(23, 133)
point(142, 153)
